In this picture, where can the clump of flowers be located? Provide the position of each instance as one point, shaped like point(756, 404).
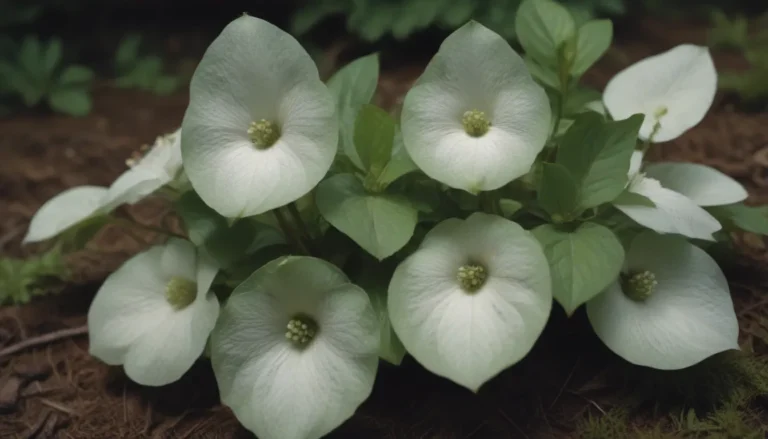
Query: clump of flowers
point(321, 235)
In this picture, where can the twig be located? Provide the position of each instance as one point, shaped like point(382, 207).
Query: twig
point(59, 407)
point(44, 339)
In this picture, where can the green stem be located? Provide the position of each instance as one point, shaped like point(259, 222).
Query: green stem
point(289, 232)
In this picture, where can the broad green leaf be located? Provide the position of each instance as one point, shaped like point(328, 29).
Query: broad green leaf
point(627, 197)
point(399, 164)
point(750, 219)
point(597, 154)
point(353, 86)
point(75, 75)
point(594, 39)
point(375, 281)
point(545, 75)
point(380, 223)
point(542, 27)
point(577, 99)
point(373, 137)
point(456, 13)
point(582, 262)
point(73, 101)
point(52, 56)
point(77, 237)
point(558, 192)
point(509, 207)
point(230, 244)
point(199, 219)
point(312, 13)
point(165, 85)
point(31, 58)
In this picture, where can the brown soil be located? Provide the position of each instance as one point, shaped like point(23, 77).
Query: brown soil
point(58, 390)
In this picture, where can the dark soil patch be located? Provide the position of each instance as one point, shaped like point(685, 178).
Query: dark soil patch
point(58, 390)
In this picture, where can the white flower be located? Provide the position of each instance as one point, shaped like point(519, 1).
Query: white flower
point(670, 309)
point(65, 210)
point(703, 185)
point(475, 120)
point(673, 89)
point(160, 166)
point(473, 299)
point(675, 212)
point(261, 128)
point(154, 314)
point(295, 351)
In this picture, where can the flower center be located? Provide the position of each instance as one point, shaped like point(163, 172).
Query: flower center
point(639, 286)
point(180, 292)
point(301, 330)
point(263, 133)
point(475, 123)
point(471, 277)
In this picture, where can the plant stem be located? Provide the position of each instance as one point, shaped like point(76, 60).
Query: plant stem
point(44, 339)
point(289, 232)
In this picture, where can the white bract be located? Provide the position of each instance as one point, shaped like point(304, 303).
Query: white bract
point(675, 212)
point(160, 166)
point(65, 210)
point(670, 309)
point(473, 299)
point(296, 349)
point(261, 129)
point(673, 90)
point(475, 120)
point(154, 314)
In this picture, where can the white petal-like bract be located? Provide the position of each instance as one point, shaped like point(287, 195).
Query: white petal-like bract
point(255, 84)
point(672, 213)
point(675, 89)
point(704, 185)
point(133, 322)
point(475, 74)
point(64, 211)
point(301, 388)
point(470, 335)
point(160, 166)
point(687, 318)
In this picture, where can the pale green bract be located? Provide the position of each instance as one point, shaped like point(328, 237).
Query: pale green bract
point(475, 72)
point(282, 389)
point(261, 129)
point(471, 336)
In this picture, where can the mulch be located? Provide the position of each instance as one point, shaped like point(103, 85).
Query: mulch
point(59, 391)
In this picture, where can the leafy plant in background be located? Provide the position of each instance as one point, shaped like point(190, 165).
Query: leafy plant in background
point(35, 73)
point(375, 19)
point(322, 235)
point(144, 72)
point(733, 34)
point(15, 12)
point(23, 279)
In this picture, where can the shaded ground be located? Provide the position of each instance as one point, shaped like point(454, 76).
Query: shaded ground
point(58, 390)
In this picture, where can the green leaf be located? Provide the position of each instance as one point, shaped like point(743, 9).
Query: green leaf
point(75, 75)
point(52, 56)
point(374, 136)
point(597, 154)
point(71, 101)
point(199, 220)
point(399, 164)
point(380, 223)
point(78, 236)
point(231, 244)
point(594, 39)
point(545, 75)
point(127, 53)
point(739, 216)
point(578, 98)
point(31, 58)
point(509, 207)
point(21, 280)
point(627, 197)
point(542, 28)
point(582, 262)
point(353, 86)
point(165, 85)
point(312, 13)
point(558, 192)
point(456, 13)
point(375, 282)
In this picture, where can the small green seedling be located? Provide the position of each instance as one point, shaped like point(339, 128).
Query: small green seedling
point(35, 73)
point(144, 72)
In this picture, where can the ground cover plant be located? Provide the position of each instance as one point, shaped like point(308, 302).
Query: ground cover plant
point(505, 184)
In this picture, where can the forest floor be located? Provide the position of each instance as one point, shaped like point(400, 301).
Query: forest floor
point(561, 389)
